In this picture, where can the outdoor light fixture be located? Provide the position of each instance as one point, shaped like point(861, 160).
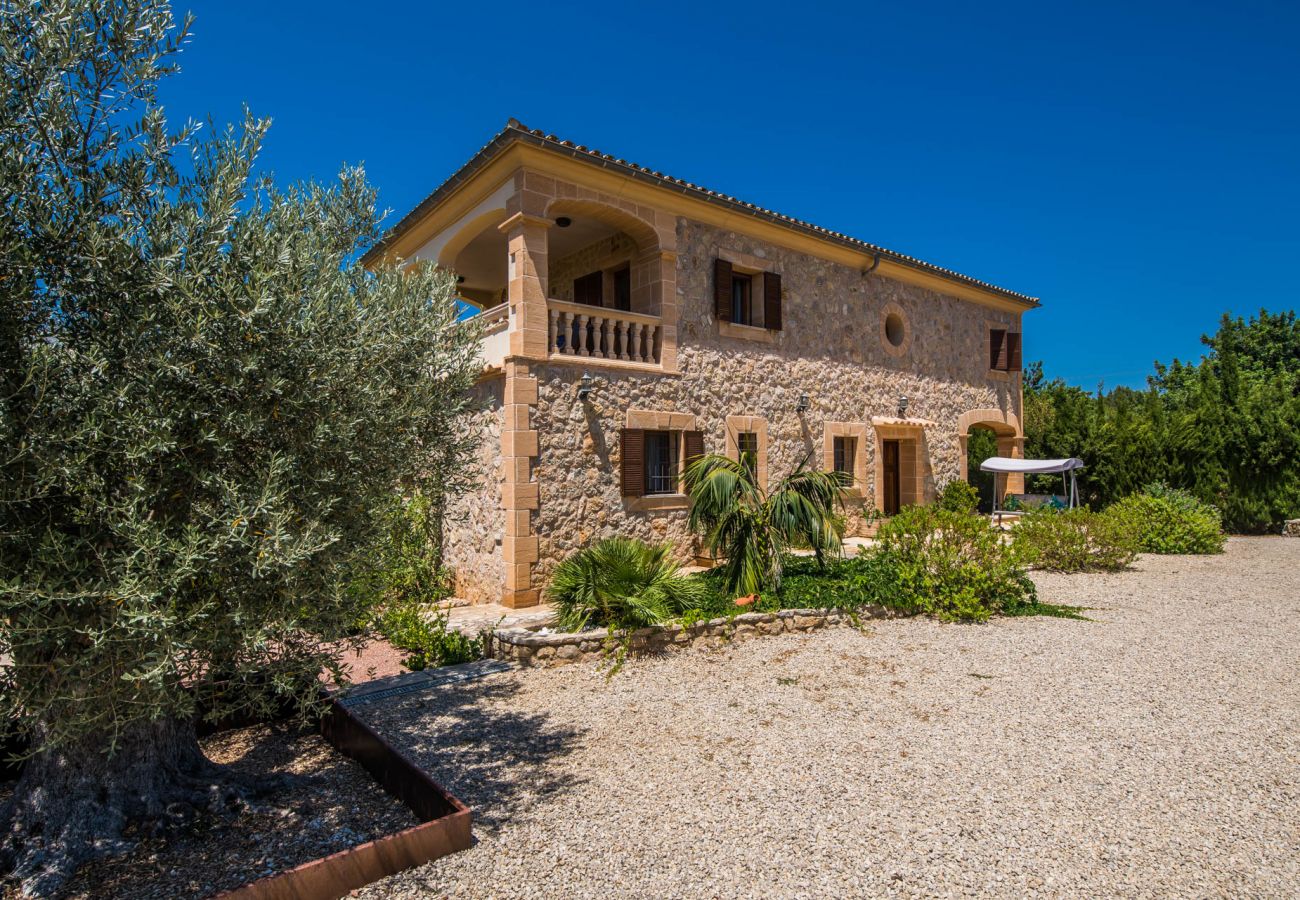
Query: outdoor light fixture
point(902, 407)
point(563, 221)
point(460, 279)
point(584, 387)
point(803, 405)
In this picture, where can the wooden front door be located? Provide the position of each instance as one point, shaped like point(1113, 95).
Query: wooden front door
point(891, 467)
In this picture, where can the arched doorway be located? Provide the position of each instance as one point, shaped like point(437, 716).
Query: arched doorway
point(982, 433)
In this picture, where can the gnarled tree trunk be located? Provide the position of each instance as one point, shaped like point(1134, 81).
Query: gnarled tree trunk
point(73, 803)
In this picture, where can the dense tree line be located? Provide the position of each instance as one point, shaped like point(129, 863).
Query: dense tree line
point(1226, 427)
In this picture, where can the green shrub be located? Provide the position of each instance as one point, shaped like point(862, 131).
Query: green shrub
point(959, 496)
point(405, 565)
point(953, 565)
point(1075, 540)
point(621, 584)
point(870, 578)
point(1167, 520)
point(422, 631)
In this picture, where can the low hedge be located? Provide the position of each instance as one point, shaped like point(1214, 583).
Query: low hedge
point(1076, 540)
point(1166, 520)
point(953, 565)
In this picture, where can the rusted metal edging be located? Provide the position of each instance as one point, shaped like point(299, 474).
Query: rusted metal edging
point(445, 823)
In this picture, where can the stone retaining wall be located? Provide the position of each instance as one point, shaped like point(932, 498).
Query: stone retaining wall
point(528, 648)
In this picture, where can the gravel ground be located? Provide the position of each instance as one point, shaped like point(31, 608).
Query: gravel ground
point(340, 807)
point(1153, 751)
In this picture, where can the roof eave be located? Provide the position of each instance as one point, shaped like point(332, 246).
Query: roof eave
point(515, 132)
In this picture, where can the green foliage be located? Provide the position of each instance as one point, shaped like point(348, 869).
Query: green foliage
point(1225, 428)
point(1075, 540)
point(1167, 520)
point(953, 565)
point(202, 395)
point(405, 563)
point(422, 631)
point(868, 579)
point(752, 528)
point(621, 584)
point(981, 444)
point(958, 496)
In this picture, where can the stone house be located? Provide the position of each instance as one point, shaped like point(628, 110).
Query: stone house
point(633, 320)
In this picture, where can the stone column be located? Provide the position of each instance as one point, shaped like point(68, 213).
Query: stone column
point(519, 496)
point(661, 269)
point(526, 240)
point(526, 287)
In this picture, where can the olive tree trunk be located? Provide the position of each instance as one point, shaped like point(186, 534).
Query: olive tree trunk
point(73, 802)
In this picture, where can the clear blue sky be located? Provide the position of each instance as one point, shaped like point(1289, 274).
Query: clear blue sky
point(1136, 165)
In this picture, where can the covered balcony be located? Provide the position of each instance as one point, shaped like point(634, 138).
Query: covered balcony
point(589, 278)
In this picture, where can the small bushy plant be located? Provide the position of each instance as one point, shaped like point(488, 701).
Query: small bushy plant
point(622, 584)
point(1076, 540)
point(422, 631)
point(1167, 520)
point(953, 565)
point(958, 496)
point(867, 579)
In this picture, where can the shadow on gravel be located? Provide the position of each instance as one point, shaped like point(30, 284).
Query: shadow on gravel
point(487, 752)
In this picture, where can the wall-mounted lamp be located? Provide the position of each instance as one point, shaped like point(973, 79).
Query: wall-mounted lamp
point(902, 407)
point(585, 387)
point(803, 404)
point(563, 221)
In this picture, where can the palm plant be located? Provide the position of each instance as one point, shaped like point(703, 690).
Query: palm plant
point(752, 528)
point(623, 584)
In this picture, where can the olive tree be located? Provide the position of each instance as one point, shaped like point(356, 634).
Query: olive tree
point(203, 396)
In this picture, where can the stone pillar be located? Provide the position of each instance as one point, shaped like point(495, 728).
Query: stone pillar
point(661, 268)
point(519, 497)
point(526, 287)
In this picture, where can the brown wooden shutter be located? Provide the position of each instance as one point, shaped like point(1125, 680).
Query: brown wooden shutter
point(772, 301)
point(722, 289)
point(631, 444)
point(694, 447)
point(1013, 351)
point(998, 348)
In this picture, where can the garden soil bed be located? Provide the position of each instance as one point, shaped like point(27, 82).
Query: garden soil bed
point(337, 807)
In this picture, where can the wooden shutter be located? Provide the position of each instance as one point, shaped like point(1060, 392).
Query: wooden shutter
point(631, 443)
point(694, 447)
point(1013, 351)
point(998, 348)
point(772, 301)
point(722, 289)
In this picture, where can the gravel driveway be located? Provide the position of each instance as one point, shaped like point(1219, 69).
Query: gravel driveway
point(1153, 751)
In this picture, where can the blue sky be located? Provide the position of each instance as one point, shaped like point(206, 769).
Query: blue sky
point(1135, 165)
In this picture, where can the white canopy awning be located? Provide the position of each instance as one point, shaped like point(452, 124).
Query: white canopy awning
point(1030, 466)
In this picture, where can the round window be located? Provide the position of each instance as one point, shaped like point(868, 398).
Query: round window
point(895, 330)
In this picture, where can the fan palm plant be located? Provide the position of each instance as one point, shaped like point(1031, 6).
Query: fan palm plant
point(752, 527)
point(623, 584)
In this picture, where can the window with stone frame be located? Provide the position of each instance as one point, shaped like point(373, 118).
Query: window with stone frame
point(845, 454)
point(661, 466)
point(747, 450)
point(742, 299)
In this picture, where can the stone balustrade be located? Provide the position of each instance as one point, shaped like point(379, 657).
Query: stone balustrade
point(594, 332)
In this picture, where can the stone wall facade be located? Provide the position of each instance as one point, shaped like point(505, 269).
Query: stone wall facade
point(831, 348)
point(476, 520)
